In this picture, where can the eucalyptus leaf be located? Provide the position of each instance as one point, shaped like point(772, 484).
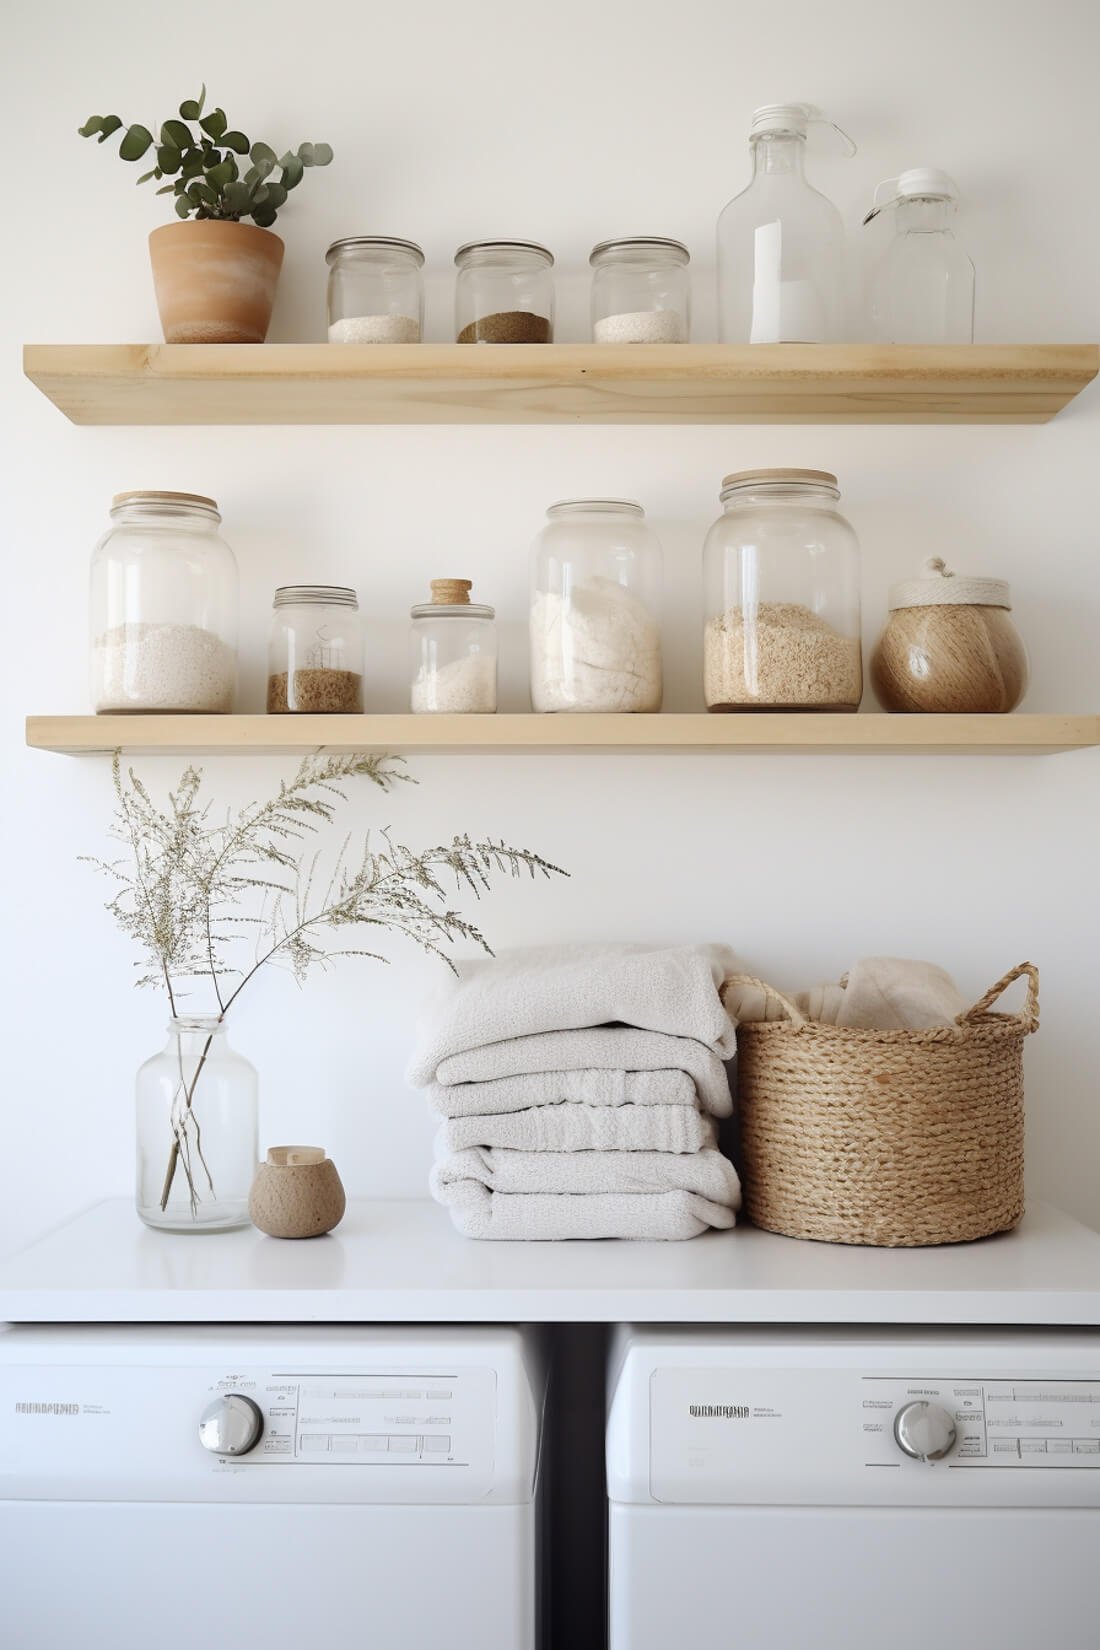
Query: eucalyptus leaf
point(264, 217)
point(137, 140)
point(174, 132)
point(155, 173)
point(305, 154)
point(214, 123)
point(169, 158)
point(183, 207)
point(101, 125)
point(236, 197)
point(264, 152)
point(293, 171)
point(235, 141)
point(276, 195)
point(169, 189)
point(190, 109)
point(322, 154)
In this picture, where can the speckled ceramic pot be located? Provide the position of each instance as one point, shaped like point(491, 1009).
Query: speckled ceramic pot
point(297, 1193)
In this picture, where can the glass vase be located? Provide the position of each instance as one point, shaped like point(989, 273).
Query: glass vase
point(197, 1143)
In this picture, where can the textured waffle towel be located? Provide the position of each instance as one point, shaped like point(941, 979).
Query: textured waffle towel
point(572, 1128)
point(566, 988)
point(548, 1217)
point(706, 1172)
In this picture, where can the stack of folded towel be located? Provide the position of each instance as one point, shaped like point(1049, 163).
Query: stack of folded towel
point(578, 1089)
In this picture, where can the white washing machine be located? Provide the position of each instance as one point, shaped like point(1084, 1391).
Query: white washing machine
point(269, 1487)
point(845, 1490)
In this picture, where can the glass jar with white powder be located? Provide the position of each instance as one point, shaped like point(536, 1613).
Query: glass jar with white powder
point(164, 599)
point(375, 291)
point(781, 574)
point(641, 292)
point(595, 600)
point(454, 652)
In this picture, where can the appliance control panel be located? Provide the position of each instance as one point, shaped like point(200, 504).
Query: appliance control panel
point(981, 1423)
point(394, 1418)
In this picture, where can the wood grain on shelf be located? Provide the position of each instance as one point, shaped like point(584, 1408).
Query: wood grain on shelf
point(559, 383)
point(1017, 735)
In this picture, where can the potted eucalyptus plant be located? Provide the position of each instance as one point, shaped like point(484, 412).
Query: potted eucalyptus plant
point(215, 274)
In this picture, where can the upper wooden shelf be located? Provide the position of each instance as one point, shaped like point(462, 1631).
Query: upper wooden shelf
point(560, 383)
point(1020, 735)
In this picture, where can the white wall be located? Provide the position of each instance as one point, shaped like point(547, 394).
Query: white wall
point(568, 123)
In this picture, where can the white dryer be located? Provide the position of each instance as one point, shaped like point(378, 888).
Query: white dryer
point(273, 1487)
point(838, 1490)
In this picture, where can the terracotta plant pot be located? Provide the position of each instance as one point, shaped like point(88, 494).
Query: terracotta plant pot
point(215, 281)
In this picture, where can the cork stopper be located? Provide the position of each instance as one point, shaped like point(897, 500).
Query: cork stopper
point(451, 592)
point(295, 1157)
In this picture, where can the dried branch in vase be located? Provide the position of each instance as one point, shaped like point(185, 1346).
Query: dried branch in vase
point(194, 888)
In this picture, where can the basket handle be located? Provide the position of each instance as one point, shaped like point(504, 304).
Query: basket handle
point(793, 1014)
point(1029, 1018)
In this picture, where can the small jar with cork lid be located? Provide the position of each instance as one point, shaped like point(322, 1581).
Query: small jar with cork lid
point(950, 646)
point(315, 653)
point(504, 293)
point(453, 652)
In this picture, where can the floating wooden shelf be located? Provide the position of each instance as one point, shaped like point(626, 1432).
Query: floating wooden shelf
point(1022, 735)
point(560, 383)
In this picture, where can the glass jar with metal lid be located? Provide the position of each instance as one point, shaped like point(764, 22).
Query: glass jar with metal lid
point(315, 655)
point(454, 652)
point(641, 291)
point(164, 597)
point(595, 602)
point(504, 293)
point(375, 291)
point(781, 573)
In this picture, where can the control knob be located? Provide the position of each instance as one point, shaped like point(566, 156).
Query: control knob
point(231, 1425)
point(924, 1431)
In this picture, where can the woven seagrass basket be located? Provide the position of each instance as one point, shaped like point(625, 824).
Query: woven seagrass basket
point(892, 1138)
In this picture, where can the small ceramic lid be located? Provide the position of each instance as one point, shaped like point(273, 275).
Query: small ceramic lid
point(938, 586)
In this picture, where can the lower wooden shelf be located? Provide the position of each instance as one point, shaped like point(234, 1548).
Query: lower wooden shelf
point(759, 732)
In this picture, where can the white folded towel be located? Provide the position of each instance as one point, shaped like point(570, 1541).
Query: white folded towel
point(572, 1128)
point(568, 987)
point(549, 1088)
point(594, 1048)
point(877, 994)
point(549, 1217)
point(706, 1172)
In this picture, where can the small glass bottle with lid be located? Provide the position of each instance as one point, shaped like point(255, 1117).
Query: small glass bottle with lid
point(375, 291)
point(641, 291)
point(921, 290)
point(315, 654)
point(781, 575)
point(504, 293)
point(164, 597)
point(453, 652)
point(595, 601)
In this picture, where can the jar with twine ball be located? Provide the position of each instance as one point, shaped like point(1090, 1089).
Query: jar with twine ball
point(296, 1193)
point(949, 646)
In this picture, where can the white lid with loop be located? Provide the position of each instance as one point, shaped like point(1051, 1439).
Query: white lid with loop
point(938, 586)
point(918, 183)
point(794, 120)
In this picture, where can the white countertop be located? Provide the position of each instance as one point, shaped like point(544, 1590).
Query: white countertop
point(402, 1262)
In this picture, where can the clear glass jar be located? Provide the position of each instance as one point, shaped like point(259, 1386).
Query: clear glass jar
point(164, 598)
point(453, 652)
point(780, 242)
point(375, 291)
point(921, 289)
point(197, 1143)
point(595, 600)
point(950, 646)
point(504, 293)
point(641, 292)
point(315, 653)
point(781, 575)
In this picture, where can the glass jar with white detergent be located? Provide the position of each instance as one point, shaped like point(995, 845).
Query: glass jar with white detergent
point(641, 291)
point(595, 604)
point(454, 652)
point(375, 291)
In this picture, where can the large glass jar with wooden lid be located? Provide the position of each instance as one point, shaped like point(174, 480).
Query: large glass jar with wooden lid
point(315, 653)
point(454, 652)
point(782, 576)
point(164, 598)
